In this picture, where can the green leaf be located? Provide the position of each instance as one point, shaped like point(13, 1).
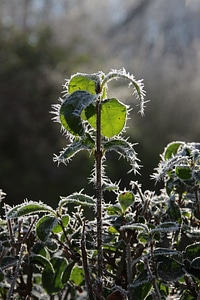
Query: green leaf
point(44, 226)
point(193, 234)
point(174, 211)
point(196, 263)
point(141, 286)
point(41, 260)
point(52, 245)
point(58, 228)
point(192, 251)
point(114, 210)
point(166, 251)
point(39, 248)
point(109, 186)
point(187, 296)
point(8, 261)
point(77, 199)
point(71, 109)
point(77, 275)
point(166, 227)
point(84, 82)
point(142, 291)
point(183, 172)
point(113, 117)
point(124, 149)
point(164, 291)
point(52, 279)
point(84, 143)
point(87, 82)
point(28, 208)
point(143, 237)
point(67, 272)
point(118, 222)
point(112, 230)
point(135, 226)
point(110, 248)
point(169, 269)
point(172, 149)
point(126, 199)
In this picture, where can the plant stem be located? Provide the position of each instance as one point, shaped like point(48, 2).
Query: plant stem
point(153, 281)
point(12, 238)
point(10, 291)
point(129, 270)
point(197, 199)
point(98, 157)
point(86, 266)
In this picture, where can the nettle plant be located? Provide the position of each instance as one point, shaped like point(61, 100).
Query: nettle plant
point(140, 246)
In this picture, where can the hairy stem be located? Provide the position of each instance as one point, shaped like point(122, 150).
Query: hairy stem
point(98, 157)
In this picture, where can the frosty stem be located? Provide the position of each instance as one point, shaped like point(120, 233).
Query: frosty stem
point(98, 157)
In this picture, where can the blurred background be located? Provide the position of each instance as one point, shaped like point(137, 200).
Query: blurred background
point(42, 42)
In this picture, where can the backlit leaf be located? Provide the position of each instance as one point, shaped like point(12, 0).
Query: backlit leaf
point(141, 286)
point(83, 143)
point(113, 117)
point(8, 261)
point(135, 226)
point(192, 251)
point(84, 82)
point(67, 272)
point(187, 296)
point(44, 226)
point(166, 227)
point(174, 211)
point(165, 251)
point(39, 248)
point(169, 269)
point(87, 82)
point(196, 263)
point(42, 261)
point(58, 228)
point(71, 109)
point(28, 208)
point(183, 172)
point(143, 237)
point(113, 210)
point(124, 149)
point(193, 234)
point(112, 229)
point(77, 275)
point(126, 199)
point(172, 149)
point(77, 199)
point(52, 279)
point(141, 291)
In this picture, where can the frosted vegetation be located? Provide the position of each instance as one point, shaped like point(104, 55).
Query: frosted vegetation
point(142, 245)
